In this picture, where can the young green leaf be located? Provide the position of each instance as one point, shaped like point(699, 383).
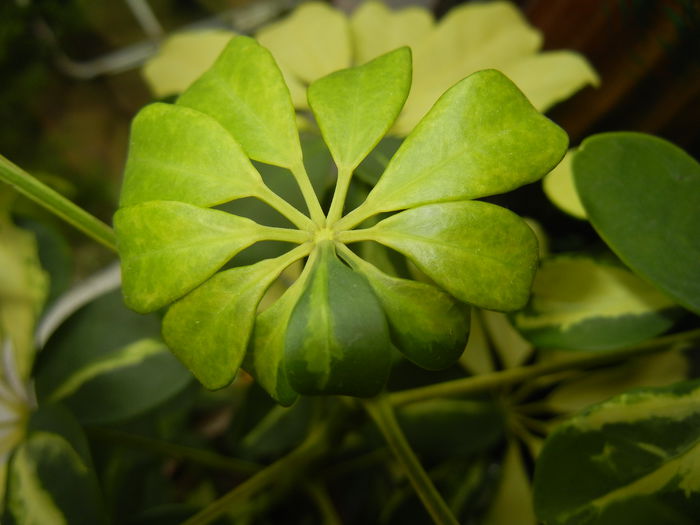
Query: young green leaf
point(635, 459)
point(624, 179)
point(579, 303)
point(482, 137)
point(428, 326)
point(244, 90)
point(337, 340)
point(209, 329)
point(176, 153)
point(168, 248)
point(480, 253)
point(355, 107)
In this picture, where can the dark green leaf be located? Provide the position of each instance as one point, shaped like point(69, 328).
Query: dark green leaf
point(337, 340)
point(104, 379)
point(428, 326)
point(641, 195)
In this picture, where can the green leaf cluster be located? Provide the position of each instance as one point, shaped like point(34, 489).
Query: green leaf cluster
point(333, 329)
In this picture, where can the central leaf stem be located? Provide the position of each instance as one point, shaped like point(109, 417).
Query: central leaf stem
point(339, 194)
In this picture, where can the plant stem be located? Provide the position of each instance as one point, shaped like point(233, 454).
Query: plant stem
point(310, 449)
point(383, 415)
point(56, 203)
point(310, 197)
point(163, 448)
point(480, 383)
point(296, 217)
point(286, 234)
point(324, 504)
point(339, 195)
point(349, 236)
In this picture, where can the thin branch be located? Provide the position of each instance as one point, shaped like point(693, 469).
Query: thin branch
point(383, 415)
point(493, 380)
point(56, 203)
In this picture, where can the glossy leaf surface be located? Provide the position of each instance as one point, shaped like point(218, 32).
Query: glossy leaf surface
point(623, 179)
point(244, 90)
point(579, 303)
point(480, 253)
point(338, 340)
point(168, 248)
point(178, 154)
point(482, 137)
point(428, 326)
point(208, 330)
point(635, 458)
point(355, 107)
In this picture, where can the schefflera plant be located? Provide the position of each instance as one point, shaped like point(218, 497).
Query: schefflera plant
point(333, 329)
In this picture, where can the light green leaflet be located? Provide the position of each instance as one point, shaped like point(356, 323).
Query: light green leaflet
point(334, 330)
point(355, 107)
point(625, 178)
point(636, 460)
point(179, 247)
point(579, 303)
point(455, 244)
point(213, 323)
point(481, 138)
point(244, 90)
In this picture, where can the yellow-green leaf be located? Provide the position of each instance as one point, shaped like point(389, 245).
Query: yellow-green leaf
point(179, 154)
point(480, 253)
point(245, 91)
point(559, 186)
point(355, 107)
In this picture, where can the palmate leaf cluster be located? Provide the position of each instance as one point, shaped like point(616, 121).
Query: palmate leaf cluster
point(333, 330)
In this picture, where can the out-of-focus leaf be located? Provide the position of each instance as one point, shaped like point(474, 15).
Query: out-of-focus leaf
point(337, 341)
point(630, 460)
point(106, 375)
point(244, 90)
point(23, 289)
point(182, 58)
point(482, 137)
point(355, 107)
point(559, 186)
point(480, 253)
point(550, 77)
point(579, 303)
point(209, 329)
point(51, 478)
point(626, 179)
point(510, 346)
point(313, 42)
point(451, 428)
point(655, 370)
point(376, 29)
point(428, 326)
point(512, 502)
point(477, 358)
